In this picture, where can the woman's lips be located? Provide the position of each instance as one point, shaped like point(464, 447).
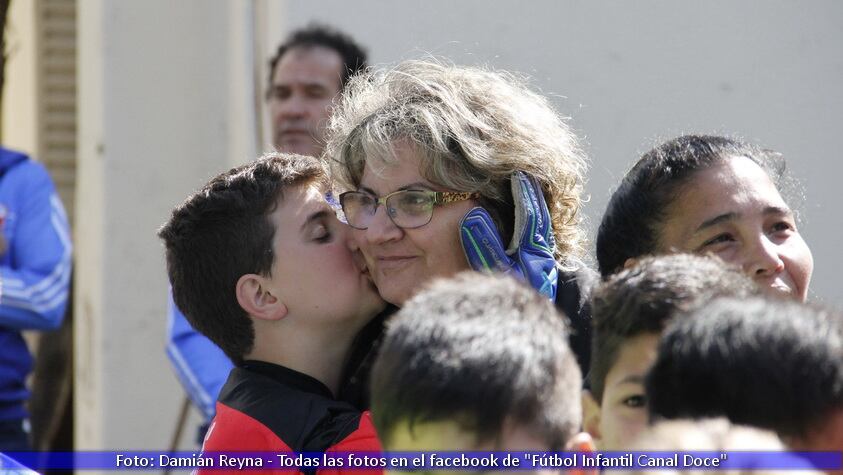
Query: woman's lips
point(782, 289)
point(778, 287)
point(295, 133)
point(393, 262)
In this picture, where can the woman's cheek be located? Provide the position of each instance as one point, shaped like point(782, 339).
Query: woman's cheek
point(803, 265)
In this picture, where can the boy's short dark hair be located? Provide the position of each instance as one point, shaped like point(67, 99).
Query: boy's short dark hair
point(353, 55)
point(478, 350)
point(222, 232)
point(643, 298)
point(767, 363)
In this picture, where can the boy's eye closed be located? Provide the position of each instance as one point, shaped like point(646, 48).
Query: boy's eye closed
point(321, 234)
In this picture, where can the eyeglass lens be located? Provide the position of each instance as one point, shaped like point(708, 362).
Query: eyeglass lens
point(407, 209)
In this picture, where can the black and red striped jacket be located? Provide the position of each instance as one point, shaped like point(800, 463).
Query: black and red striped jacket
point(267, 407)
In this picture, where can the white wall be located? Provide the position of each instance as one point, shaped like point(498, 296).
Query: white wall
point(633, 73)
point(162, 89)
point(20, 110)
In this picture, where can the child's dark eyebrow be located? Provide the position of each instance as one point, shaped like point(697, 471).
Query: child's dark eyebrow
point(632, 378)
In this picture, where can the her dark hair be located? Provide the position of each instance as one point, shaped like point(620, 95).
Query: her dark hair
point(632, 221)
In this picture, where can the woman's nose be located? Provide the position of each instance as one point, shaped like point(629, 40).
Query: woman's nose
point(381, 228)
point(763, 259)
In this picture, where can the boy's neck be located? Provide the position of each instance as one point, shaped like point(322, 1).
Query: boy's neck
point(317, 353)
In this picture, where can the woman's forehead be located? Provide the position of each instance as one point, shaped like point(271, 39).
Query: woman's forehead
point(403, 166)
point(735, 178)
point(390, 178)
point(736, 188)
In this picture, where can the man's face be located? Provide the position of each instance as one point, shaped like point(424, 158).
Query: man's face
point(304, 84)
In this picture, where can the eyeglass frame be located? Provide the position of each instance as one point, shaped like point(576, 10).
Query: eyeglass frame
point(440, 198)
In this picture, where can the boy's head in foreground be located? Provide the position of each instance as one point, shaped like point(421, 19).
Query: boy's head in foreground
point(253, 254)
point(629, 312)
point(477, 362)
point(765, 363)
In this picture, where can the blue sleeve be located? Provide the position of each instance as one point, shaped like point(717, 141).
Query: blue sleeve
point(35, 275)
point(200, 365)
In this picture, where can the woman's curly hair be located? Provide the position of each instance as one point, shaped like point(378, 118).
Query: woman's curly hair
point(471, 128)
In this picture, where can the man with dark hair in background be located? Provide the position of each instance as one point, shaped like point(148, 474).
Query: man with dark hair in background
point(308, 70)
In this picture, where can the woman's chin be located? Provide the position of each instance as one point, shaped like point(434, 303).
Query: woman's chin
point(392, 293)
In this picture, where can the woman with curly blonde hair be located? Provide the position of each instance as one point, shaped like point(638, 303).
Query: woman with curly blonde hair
point(461, 160)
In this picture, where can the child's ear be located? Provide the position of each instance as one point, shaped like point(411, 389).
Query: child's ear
point(581, 442)
point(590, 415)
point(257, 300)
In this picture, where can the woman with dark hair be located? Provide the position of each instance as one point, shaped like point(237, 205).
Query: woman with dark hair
point(708, 194)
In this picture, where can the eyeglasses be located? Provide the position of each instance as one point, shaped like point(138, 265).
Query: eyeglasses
point(407, 209)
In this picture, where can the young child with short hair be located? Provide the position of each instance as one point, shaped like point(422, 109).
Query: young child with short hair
point(773, 364)
point(630, 310)
point(477, 362)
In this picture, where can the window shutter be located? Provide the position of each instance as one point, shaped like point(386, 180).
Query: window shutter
point(56, 64)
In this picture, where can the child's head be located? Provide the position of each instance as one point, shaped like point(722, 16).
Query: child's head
point(477, 362)
point(772, 364)
point(629, 312)
point(708, 194)
point(260, 244)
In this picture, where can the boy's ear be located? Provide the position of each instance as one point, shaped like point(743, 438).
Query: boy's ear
point(630, 263)
point(255, 298)
point(581, 442)
point(590, 415)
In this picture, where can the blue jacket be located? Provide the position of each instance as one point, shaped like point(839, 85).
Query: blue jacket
point(34, 270)
point(200, 365)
